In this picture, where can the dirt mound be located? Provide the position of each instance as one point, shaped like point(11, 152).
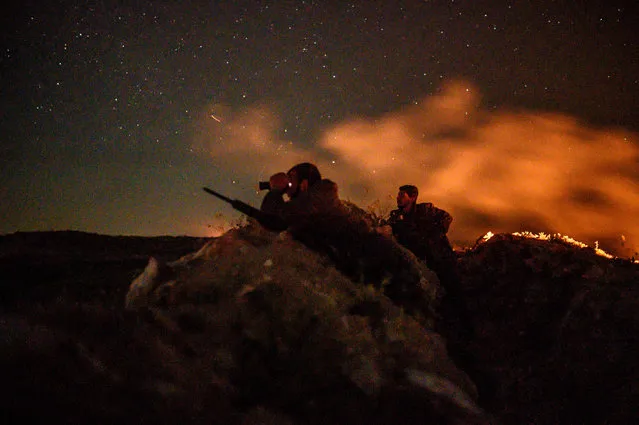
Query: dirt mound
point(255, 328)
point(290, 333)
point(557, 329)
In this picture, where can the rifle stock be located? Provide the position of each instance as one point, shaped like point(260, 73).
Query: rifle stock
point(270, 221)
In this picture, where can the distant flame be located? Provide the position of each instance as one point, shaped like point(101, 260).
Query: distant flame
point(556, 236)
point(487, 236)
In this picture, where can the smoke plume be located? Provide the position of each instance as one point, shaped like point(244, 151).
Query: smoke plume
point(499, 171)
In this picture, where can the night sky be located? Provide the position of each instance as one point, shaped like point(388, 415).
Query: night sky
point(510, 115)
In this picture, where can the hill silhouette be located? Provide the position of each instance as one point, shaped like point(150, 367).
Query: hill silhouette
point(254, 328)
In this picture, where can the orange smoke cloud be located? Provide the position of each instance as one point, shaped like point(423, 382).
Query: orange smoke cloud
point(493, 171)
point(501, 172)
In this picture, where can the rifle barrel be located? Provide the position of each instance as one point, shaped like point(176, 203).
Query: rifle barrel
point(270, 221)
point(219, 195)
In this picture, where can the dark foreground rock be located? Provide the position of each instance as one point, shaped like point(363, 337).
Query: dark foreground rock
point(72, 266)
point(256, 329)
point(557, 331)
point(296, 337)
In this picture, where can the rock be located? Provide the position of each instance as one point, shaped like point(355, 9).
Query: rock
point(299, 335)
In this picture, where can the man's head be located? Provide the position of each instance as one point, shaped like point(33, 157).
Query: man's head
point(407, 197)
point(302, 176)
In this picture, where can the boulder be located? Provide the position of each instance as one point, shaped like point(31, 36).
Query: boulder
point(282, 327)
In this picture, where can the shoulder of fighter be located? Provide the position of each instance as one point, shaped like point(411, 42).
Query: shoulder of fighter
point(324, 189)
point(428, 207)
point(423, 207)
point(325, 185)
point(427, 211)
point(320, 198)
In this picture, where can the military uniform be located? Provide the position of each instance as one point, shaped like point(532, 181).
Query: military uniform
point(423, 231)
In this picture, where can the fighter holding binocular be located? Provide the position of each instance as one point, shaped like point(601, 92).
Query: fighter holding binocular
point(306, 190)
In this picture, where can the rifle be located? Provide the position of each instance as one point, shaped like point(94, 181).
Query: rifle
point(270, 221)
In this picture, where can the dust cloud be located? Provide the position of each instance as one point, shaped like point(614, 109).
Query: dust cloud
point(493, 170)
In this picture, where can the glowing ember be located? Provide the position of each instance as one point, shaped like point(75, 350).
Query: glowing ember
point(487, 236)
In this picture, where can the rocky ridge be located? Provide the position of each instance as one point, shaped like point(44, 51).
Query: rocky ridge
point(255, 328)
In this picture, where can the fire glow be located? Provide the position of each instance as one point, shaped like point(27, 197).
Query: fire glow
point(501, 170)
point(556, 236)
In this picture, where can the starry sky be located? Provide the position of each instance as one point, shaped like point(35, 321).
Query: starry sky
point(510, 115)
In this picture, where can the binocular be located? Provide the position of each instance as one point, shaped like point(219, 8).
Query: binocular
point(267, 185)
point(264, 185)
